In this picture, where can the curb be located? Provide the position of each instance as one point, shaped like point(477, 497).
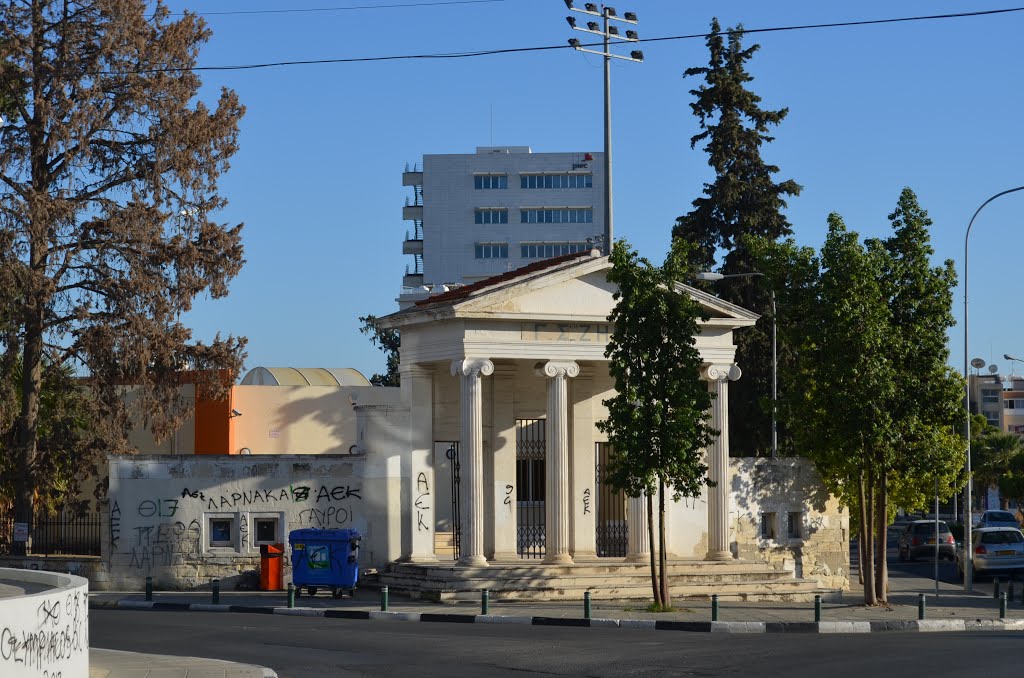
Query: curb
point(825, 627)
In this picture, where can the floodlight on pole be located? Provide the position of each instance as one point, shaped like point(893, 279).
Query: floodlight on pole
point(968, 515)
point(607, 33)
point(709, 276)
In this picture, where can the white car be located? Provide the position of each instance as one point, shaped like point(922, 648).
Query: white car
point(997, 550)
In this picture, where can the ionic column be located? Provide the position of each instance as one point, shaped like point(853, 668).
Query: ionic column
point(639, 542)
point(472, 448)
point(718, 378)
point(557, 489)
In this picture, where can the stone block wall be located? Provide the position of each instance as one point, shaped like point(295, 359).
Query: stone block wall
point(188, 520)
point(782, 514)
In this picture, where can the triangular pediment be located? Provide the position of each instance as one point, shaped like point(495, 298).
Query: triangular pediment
point(575, 290)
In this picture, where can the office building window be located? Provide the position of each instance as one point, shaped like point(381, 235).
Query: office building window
point(487, 181)
point(556, 181)
point(564, 215)
point(989, 396)
point(490, 216)
point(546, 250)
point(492, 250)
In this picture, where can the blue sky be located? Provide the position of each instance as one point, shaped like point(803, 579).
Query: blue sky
point(932, 105)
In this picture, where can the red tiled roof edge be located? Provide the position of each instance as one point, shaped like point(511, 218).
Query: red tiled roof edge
point(466, 290)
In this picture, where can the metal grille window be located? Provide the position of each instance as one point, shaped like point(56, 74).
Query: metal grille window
point(488, 181)
point(768, 526)
point(612, 530)
point(530, 488)
point(556, 181)
point(794, 525)
point(492, 250)
point(563, 215)
point(490, 216)
point(546, 250)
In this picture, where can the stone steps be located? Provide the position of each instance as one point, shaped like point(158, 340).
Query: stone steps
point(616, 580)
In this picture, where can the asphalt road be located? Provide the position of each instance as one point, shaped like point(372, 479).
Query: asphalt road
point(297, 647)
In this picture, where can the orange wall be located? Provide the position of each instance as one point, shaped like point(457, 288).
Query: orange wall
point(214, 432)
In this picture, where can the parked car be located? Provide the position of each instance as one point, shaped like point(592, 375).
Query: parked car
point(918, 540)
point(996, 550)
point(998, 519)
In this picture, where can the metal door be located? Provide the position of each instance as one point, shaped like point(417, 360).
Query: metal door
point(612, 530)
point(530, 488)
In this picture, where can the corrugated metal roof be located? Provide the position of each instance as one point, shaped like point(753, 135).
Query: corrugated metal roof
point(304, 376)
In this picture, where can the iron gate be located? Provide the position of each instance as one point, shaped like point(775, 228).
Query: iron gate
point(453, 458)
point(612, 538)
point(530, 488)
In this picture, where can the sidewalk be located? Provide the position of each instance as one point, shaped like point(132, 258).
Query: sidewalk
point(952, 605)
point(117, 664)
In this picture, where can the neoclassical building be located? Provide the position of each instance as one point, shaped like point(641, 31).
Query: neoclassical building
point(506, 377)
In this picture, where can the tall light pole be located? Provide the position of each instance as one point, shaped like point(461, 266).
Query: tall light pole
point(968, 523)
point(709, 276)
point(1012, 359)
point(608, 33)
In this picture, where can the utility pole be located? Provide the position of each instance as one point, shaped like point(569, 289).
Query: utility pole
point(608, 33)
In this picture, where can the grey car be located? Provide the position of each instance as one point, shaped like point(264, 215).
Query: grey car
point(918, 541)
point(996, 550)
point(998, 519)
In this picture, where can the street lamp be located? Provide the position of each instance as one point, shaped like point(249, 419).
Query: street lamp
point(1012, 359)
point(711, 277)
point(968, 546)
point(608, 33)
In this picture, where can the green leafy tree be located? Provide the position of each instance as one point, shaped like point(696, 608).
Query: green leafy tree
point(387, 340)
point(658, 418)
point(871, 398)
point(994, 454)
point(108, 207)
point(742, 200)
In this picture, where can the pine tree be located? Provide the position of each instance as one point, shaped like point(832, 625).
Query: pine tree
point(742, 200)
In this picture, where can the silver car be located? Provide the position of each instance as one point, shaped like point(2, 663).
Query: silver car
point(998, 519)
point(997, 550)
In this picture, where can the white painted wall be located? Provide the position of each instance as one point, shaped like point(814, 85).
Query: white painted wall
point(45, 632)
point(163, 513)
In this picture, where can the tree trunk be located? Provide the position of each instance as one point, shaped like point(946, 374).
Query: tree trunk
point(666, 599)
point(881, 515)
point(650, 540)
point(27, 433)
point(867, 543)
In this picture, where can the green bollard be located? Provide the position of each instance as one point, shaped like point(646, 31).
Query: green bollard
point(149, 588)
point(714, 607)
point(485, 602)
point(215, 586)
point(1002, 605)
point(995, 587)
point(586, 604)
point(291, 595)
point(817, 608)
point(922, 606)
point(383, 598)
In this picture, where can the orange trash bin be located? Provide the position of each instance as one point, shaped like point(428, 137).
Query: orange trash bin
point(271, 567)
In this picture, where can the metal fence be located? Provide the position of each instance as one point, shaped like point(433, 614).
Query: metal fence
point(530, 488)
point(63, 534)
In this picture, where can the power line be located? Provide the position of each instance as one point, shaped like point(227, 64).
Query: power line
point(516, 50)
point(337, 9)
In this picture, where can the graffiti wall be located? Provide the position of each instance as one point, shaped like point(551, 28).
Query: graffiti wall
point(44, 625)
point(187, 520)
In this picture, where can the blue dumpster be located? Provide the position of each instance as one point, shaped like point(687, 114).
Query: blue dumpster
point(326, 559)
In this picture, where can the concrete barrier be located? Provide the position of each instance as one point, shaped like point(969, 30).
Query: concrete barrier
point(44, 625)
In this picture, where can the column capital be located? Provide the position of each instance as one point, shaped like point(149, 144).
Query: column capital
point(472, 367)
point(716, 372)
point(558, 369)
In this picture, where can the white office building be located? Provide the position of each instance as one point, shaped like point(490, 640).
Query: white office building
point(482, 214)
